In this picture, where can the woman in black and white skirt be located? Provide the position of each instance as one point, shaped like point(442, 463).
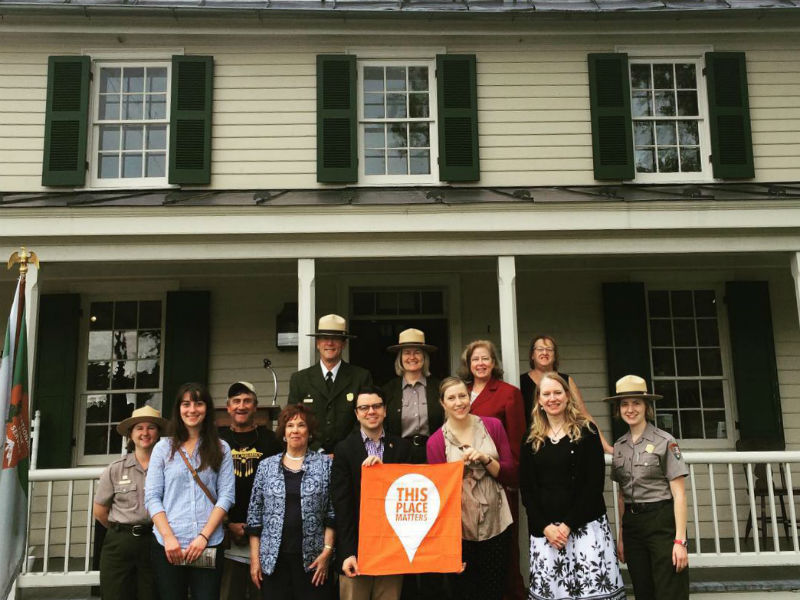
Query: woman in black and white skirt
point(562, 472)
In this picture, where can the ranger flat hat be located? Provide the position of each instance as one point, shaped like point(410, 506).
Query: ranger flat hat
point(332, 326)
point(146, 414)
point(411, 338)
point(632, 386)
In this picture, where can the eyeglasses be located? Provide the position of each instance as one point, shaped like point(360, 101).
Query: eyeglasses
point(365, 408)
point(544, 350)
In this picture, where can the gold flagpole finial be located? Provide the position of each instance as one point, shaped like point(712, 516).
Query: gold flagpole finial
point(23, 257)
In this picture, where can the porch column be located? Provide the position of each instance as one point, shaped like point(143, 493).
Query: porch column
point(306, 295)
point(796, 275)
point(507, 289)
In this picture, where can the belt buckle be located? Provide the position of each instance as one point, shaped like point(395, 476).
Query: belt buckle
point(137, 530)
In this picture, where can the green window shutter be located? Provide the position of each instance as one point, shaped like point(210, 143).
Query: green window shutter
point(337, 104)
point(755, 371)
point(457, 91)
point(56, 372)
point(190, 119)
point(729, 115)
point(186, 342)
point(610, 101)
point(65, 125)
point(627, 345)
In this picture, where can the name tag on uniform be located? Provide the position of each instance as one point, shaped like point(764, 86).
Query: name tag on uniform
point(308, 400)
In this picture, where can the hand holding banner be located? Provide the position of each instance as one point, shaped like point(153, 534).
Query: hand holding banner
point(410, 519)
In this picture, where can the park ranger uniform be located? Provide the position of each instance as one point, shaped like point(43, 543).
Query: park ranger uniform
point(643, 471)
point(127, 543)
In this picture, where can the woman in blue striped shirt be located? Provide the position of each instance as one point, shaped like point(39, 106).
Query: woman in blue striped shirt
point(188, 491)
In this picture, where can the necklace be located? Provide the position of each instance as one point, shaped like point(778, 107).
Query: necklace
point(554, 436)
point(290, 457)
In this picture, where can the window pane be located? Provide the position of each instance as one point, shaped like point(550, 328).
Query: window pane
point(660, 332)
point(397, 162)
point(100, 315)
point(667, 160)
point(373, 106)
point(97, 408)
point(97, 375)
point(705, 303)
point(99, 345)
point(147, 374)
point(688, 134)
point(114, 441)
point(150, 313)
point(397, 136)
point(124, 375)
point(663, 362)
point(396, 106)
point(132, 138)
point(685, 76)
point(374, 136)
point(641, 104)
point(363, 303)
point(420, 162)
point(373, 79)
point(149, 343)
point(408, 303)
point(666, 389)
point(132, 165)
point(124, 344)
point(684, 332)
point(665, 134)
point(108, 167)
point(687, 104)
point(157, 106)
point(432, 303)
point(396, 78)
point(643, 133)
point(156, 165)
point(133, 107)
point(658, 303)
point(387, 303)
point(110, 80)
point(668, 421)
point(687, 362)
point(133, 79)
point(374, 162)
point(95, 440)
point(419, 134)
point(156, 79)
point(712, 394)
point(645, 161)
point(108, 108)
point(149, 398)
point(682, 304)
point(418, 79)
point(689, 394)
point(664, 104)
point(125, 315)
point(122, 406)
point(662, 77)
point(690, 160)
point(715, 424)
point(710, 361)
point(109, 138)
point(418, 105)
point(707, 332)
point(691, 424)
point(640, 76)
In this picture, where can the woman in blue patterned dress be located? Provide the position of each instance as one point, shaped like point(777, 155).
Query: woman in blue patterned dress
point(562, 472)
point(290, 518)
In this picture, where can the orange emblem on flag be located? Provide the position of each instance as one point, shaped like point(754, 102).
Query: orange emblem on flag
point(410, 520)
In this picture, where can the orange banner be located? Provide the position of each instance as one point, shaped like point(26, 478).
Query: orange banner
point(410, 519)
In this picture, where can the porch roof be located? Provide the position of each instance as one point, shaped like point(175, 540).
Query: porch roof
point(452, 196)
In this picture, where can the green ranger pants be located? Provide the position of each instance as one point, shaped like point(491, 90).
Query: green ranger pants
point(648, 539)
point(125, 569)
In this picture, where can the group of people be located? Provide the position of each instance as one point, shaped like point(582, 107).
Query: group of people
point(242, 512)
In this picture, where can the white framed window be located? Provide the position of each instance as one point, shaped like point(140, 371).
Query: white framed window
point(398, 137)
point(122, 369)
point(129, 113)
point(669, 109)
point(688, 352)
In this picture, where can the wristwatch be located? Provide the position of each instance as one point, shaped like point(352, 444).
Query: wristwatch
point(684, 543)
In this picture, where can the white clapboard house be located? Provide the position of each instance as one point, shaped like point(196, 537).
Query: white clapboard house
point(202, 179)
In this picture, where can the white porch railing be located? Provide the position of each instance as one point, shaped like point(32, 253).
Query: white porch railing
point(722, 491)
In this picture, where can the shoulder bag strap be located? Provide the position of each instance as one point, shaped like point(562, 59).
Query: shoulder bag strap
point(197, 477)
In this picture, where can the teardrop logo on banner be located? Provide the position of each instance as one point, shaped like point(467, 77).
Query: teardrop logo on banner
point(412, 505)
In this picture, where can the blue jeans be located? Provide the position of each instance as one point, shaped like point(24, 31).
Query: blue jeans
point(174, 582)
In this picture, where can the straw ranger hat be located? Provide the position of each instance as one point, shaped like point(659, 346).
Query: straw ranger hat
point(332, 326)
point(632, 386)
point(146, 414)
point(411, 338)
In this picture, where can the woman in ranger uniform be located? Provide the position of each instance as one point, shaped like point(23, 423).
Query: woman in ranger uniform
point(649, 468)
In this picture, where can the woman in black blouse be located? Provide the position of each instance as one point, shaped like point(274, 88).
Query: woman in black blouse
point(562, 473)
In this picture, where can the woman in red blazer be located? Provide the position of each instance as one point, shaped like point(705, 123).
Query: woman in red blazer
point(493, 397)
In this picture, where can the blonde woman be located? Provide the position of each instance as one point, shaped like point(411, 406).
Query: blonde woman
point(562, 473)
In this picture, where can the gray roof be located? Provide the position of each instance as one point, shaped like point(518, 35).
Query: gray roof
point(406, 196)
point(379, 6)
